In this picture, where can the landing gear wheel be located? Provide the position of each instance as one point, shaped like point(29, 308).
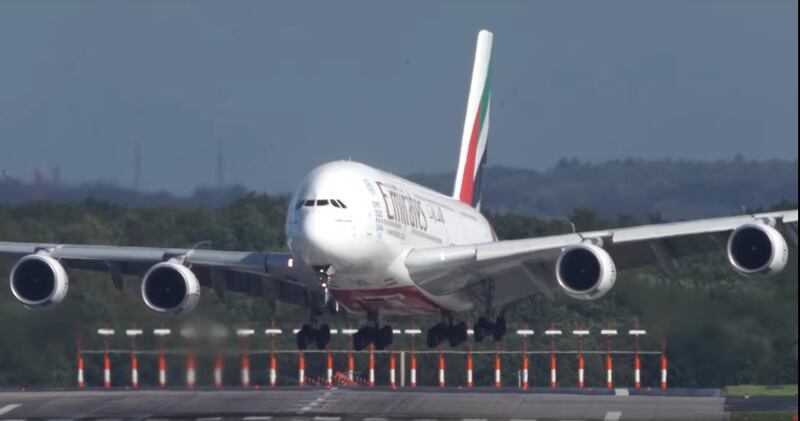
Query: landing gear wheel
point(482, 329)
point(360, 341)
point(457, 334)
point(384, 337)
point(436, 335)
point(303, 337)
point(499, 329)
point(323, 336)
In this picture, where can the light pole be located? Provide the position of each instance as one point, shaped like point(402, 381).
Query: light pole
point(133, 333)
point(413, 359)
point(273, 361)
point(637, 364)
point(189, 334)
point(351, 363)
point(608, 334)
point(580, 333)
point(244, 334)
point(525, 333)
point(161, 333)
point(552, 334)
point(106, 333)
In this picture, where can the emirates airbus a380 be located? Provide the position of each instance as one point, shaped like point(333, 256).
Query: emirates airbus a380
point(378, 244)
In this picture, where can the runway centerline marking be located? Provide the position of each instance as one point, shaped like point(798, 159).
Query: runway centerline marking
point(257, 418)
point(621, 392)
point(209, 419)
point(8, 408)
point(613, 416)
point(327, 418)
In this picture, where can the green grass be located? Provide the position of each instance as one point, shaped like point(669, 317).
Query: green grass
point(762, 416)
point(759, 390)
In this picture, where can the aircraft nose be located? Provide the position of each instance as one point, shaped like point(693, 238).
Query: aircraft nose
point(316, 245)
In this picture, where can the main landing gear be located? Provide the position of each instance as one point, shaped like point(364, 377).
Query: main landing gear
point(373, 334)
point(484, 328)
point(313, 333)
point(455, 333)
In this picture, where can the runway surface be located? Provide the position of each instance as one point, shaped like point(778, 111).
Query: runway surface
point(344, 404)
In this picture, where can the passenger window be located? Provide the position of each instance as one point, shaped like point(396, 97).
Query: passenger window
point(299, 204)
point(341, 203)
point(309, 203)
point(322, 203)
point(335, 203)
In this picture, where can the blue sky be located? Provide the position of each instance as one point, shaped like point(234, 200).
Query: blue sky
point(289, 85)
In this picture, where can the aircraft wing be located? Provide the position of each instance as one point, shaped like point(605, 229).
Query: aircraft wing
point(271, 275)
point(526, 266)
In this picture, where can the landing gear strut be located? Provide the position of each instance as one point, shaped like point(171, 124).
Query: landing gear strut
point(373, 334)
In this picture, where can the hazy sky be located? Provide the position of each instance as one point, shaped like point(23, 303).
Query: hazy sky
point(289, 85)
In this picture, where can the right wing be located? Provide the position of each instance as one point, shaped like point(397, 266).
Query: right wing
point(518, 268)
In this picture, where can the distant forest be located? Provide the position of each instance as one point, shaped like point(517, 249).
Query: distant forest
point(665, 189)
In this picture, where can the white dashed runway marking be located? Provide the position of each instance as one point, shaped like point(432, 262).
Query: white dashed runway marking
point(8, 408)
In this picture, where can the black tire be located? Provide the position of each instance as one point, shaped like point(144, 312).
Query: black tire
point(360, 341)
point(457, 334)
point(323, 336)
point(434, 336)
point(303, 336)
point(499, 329)
point(384, 337)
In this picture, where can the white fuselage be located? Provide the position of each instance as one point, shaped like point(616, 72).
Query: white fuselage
point(362, 222)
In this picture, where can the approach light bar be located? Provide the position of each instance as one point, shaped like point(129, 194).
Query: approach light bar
point(243, 333)
point(637, 332)
point(608, 332)
point(525, 332)
point(273, 331)
point(552, 332)
point(188, 333)
point(162, 332)
point(413, 331)
point(580, 332)
point(349, 331)
point(105, 332)
point(134, 332)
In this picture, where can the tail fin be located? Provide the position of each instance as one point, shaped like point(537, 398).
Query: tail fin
point(476, 125)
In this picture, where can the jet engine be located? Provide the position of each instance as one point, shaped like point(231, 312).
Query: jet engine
point(757, 249)
point(38, 281)
point(585, 271)
point(170, 287)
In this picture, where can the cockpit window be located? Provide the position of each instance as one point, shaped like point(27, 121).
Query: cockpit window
point(323, 202)
point(309, 203)
point(341, 203)
point(335, 203)
point(299, 204)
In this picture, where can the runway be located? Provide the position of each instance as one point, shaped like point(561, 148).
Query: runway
point(348, 404)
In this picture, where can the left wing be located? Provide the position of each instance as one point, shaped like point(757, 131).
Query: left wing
point(271, 275)
point(578, 262)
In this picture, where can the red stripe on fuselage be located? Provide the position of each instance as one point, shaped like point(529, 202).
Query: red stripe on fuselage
point(406, 299)
point(468, 178)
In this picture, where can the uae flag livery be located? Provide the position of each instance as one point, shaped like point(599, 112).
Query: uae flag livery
point(476, 126)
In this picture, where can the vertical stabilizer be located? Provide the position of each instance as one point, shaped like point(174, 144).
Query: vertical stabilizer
point(476, 125)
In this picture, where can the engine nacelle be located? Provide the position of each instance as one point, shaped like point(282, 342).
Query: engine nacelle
point(170, 287)
point(38, 281)
point(585, 271)
point(757, 249)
